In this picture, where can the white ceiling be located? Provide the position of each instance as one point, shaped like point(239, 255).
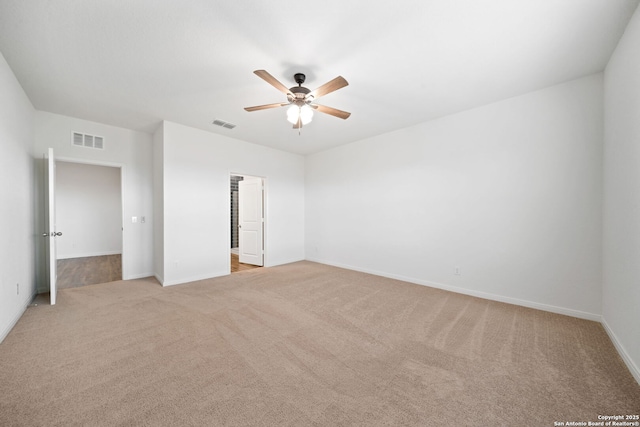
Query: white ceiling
point(134, 63)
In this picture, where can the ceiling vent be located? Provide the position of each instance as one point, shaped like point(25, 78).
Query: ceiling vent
point(89, 141)
point(223, 124)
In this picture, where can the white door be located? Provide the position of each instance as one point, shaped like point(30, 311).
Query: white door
point(251, 221)
point(51, 234)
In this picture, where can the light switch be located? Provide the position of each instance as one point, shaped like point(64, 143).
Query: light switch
point(134, 219)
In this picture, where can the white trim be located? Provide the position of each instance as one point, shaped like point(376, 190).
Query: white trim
point(194, 279)
point(494, 297)
point(284, 262)
point(124, 261)
point(138, 276)
point(159, 279)
point(633, 368)
point(16, 318)
point(90, 162)
point(265, 202)
point(90, 255)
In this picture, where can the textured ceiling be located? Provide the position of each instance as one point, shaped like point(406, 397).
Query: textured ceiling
point(135, 63)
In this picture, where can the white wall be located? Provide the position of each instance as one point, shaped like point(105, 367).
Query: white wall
point(128, 149)
point(16, 200)
point(158, 203)
point(88, 210)
point(196, 172)
point(510, 193)
point(621, 287)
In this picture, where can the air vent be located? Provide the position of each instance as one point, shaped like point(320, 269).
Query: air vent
point(85, 140)
point(77, 139)
point(223, 124)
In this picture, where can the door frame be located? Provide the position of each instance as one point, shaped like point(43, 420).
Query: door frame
point(265, 213)
point(50, 232)
point(123, 258)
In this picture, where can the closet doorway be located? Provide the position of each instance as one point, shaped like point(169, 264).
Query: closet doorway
point(247, 222)
point(89, 209)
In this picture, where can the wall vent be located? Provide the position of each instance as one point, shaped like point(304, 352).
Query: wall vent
point(224, 124)
point(85, 140)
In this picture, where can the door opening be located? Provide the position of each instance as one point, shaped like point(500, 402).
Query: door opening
point(89, 210)
point(247, 222)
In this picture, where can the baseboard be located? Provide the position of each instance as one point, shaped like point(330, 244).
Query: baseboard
point(193, 279)
point(138, 276)
point(15, 320)
point(633, 368)
point(283, 262)
point(85, 255)
point(159, 279)
point(214, 275)
point(485, 295)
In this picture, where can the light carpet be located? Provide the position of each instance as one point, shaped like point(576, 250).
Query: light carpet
point(304, 344)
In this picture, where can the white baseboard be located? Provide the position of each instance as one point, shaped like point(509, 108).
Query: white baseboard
point(193, 279)
point(283, 262)
point(17, 317)
point(138, 276)
point(633, 368)
point(494, 297)
point(214, 275)
point(86, 255)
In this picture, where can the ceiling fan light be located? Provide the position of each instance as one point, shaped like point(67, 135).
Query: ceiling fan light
point(293, 113)
point(306, 114)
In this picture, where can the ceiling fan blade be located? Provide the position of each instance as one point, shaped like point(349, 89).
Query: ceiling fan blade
point(332, 111)
point(264, 107)
point(273, 82)
point(335, 84)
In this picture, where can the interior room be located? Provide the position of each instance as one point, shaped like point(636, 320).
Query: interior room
point(89, 209)
point(446, 213)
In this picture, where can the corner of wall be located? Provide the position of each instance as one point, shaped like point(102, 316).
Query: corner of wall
point(621, 188)
point(158, 202)
point(626, 357)
point(17, 250)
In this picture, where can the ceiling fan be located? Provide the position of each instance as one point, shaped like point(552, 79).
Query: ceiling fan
point(301, 100)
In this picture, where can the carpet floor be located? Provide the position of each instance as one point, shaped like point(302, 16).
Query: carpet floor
point(304, 344)
point(74, 272)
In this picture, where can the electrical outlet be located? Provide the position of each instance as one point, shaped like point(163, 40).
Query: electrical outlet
point(456, 271)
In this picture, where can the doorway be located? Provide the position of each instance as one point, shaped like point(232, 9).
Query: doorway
point(246, 222)
point(89, 210)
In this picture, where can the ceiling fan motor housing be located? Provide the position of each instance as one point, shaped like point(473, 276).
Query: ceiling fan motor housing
point(299, 78)
point(299, 91)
